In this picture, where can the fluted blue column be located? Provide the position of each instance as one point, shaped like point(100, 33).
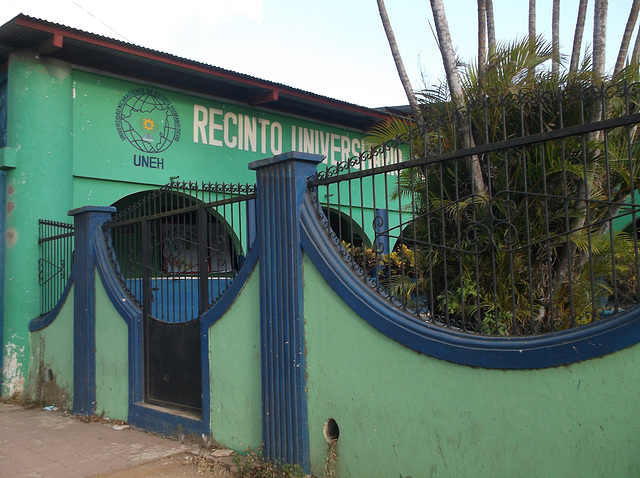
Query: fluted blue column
point(86, 222)
point(281, 186)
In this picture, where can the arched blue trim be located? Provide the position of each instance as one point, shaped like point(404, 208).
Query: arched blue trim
point(41, 322)
point(116, 293)
point(231, 293)
point(588, 341)
point(140, 415)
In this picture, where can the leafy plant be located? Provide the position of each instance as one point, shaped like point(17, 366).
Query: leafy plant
point(536, 252)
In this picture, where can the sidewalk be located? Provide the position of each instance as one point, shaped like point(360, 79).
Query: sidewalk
point(39, 443)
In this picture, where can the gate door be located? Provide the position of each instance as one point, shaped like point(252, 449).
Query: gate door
point(187, 253)
point(175, 255)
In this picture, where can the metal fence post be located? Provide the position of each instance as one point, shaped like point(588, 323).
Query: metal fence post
point(281, 186)
point(86, 222)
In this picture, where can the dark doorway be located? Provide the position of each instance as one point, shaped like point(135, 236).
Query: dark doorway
point(173, 364)
point(176, 258)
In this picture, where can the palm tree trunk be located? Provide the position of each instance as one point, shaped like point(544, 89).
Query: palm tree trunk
point(577, 36)
point(404, 79)
point(599, 39)
point(568, 255)
point(626, 37)
point(532, 20)
point(555, 37)
point(482, 49)
point(635, 56)
point(455, 88)
point(491, 27)
point(532, 30)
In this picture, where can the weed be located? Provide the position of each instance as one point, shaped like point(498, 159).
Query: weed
point(252, 465)
point(205, 465)
point(24, 402)
point(332, 458)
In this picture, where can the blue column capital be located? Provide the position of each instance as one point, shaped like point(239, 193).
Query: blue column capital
point(92, 209)
point(297, 156)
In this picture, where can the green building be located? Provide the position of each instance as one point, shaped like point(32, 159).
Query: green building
point(69, 139)
point(298, 356)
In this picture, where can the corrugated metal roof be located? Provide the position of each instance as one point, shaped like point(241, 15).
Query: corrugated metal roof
point(144, 64)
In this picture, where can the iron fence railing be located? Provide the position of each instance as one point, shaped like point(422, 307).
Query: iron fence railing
point(55, 241)
point(177, 250)
point(515, 215)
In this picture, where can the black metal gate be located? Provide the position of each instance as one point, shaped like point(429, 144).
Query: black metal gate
point(55, 241)
point(176, 251)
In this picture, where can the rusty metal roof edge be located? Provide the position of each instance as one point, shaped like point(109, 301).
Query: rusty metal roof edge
point(168, 59)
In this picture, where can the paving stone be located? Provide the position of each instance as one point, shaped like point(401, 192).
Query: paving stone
point(38, 443)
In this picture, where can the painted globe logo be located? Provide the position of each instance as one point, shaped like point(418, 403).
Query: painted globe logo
point(147, 120)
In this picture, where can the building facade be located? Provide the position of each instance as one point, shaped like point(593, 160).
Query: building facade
point(86, 120)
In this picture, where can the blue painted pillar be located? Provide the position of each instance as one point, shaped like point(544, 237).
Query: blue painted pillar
point(281, 186)
point(86, 222)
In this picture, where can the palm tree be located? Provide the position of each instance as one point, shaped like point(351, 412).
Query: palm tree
point(482, 37)
point(484, 290)
point(455, 88)
point(577, 36)
point(404, 79)
point(514, 71)
point(568, 254)
point(532, 19)
point(491, 27)
point(599, 37)
point(635, 56)
point(555, 37)
point(624, 44)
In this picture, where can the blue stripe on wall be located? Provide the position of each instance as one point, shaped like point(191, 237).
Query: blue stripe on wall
point(588, 341)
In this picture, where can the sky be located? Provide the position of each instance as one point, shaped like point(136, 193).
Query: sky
point(335, 48)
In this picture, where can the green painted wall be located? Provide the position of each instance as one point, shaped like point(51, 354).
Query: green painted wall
point(117, 123)
point(399, 413)
point(405, 414)
point(39, 133)
point(71, 142)
point(51, 364)
point(234, 354)
point(112, 358)
point(88, 191)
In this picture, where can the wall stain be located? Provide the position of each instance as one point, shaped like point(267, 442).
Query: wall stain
point(13, 377)
point(11, 237)
point(47, 390)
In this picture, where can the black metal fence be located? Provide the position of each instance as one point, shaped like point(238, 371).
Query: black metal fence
point(179, 248)
point(55, 241)
point(515, 215)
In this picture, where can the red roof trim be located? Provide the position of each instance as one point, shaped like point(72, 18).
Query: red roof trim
point(166, 58)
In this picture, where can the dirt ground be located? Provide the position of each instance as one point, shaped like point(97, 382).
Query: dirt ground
point(180, 465)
